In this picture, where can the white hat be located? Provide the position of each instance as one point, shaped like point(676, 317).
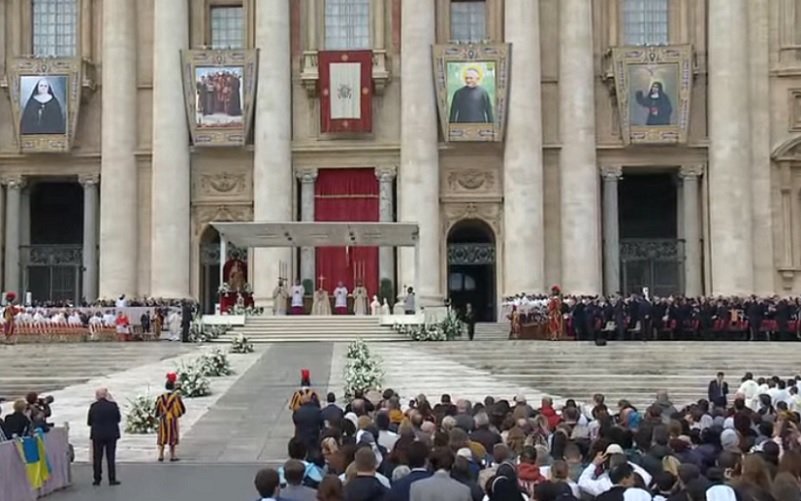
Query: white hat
point(614, 449)
point(464, 452)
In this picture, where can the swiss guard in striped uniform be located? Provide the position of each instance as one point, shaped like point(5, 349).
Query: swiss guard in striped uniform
point(169, 408)
point(305, 389)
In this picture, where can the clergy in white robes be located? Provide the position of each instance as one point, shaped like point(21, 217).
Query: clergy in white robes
point(375, 306)
point(321, 305)
point(385, 308)
point(341, 299)
point(280, 296)
point(360, 300)
point(297, 293)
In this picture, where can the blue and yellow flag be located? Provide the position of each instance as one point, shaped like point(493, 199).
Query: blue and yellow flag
point(32, 452)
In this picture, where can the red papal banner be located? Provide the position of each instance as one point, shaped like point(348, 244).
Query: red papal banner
point(346, 91)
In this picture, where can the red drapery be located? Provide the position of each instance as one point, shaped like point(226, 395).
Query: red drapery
point(347, 195)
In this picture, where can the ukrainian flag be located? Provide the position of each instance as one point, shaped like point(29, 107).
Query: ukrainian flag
point(32, 452)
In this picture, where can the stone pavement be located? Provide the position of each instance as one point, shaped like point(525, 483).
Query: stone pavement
point(72, 402)
point(165, 482)
point(252, 422)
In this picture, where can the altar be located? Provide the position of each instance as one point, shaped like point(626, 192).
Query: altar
point(290, 296)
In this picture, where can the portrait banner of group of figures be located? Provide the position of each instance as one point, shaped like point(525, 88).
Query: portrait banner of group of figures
point(219, 87)
point(653, 86)
point(45, 98)
point(471, 84)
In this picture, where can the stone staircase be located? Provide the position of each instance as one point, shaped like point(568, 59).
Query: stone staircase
point(492, 331)
point(289, 328)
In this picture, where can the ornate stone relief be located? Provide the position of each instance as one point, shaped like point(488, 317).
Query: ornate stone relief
point(470, 181)
point(489, 212)
point(225, 185)
point(205, 214)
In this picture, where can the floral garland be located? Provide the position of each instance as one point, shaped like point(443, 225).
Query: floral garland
point(202, 333)
point(141, 418)
point(249, 311)
point(214, 364)
point(362, 370)
point(447, 330)
point(240, 344)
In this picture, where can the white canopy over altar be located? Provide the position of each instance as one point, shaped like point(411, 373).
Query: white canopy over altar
point(254, 234)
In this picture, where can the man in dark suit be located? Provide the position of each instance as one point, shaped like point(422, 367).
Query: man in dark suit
point(308, 423)
point(718, 390)
point(416, 455)
point(186, 320)
point(440, 486)
point(104, 421)
point(332, 413)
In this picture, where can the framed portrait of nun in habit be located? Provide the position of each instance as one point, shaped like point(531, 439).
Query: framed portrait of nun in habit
point(44, 105)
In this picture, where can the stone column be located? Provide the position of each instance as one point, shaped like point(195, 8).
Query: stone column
point(386, 214)
point(89, 289)
point(524, 226)
point(119, 200)
point(690, 176)
point(419, 169)
point(730, 216)
point(12, 259)
point(307, 254)
point(311, 24)
point(272, 156)
point(611, 175)
point(578, 172)
point(379, 15)
point(170, 256)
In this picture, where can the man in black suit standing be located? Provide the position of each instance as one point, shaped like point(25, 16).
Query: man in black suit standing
point(104, 421)
point(718, 390)
point(186, 320)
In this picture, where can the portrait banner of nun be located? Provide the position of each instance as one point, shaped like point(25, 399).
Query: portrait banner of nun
point(43, 104)
point(653, 87)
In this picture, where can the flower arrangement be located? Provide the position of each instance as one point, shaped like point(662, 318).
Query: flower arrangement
point(240, 344)
point(362, 370)
point(201, 333)
point(446, 330)
point(223, 289)
point(141, 418)
point(247, 289)
point(193, 383)
point(214, 364)
point(249, 311)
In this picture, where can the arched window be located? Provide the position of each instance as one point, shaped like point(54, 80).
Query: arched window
point(347, 24)
point(645, 22)
point(55, 28)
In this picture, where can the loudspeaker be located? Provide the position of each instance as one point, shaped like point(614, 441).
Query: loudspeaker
point(600, 341)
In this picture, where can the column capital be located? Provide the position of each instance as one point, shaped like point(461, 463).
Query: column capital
point(88, 180)
point(307, 175)
point(611, 172)
point(692, 170)
point(386, 173)
point(13, 182)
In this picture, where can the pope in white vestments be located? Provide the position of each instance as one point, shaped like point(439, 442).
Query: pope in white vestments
point(321, 304)
point(297, 293)
point(341, 299)
point(279, 299)
point(360, 300)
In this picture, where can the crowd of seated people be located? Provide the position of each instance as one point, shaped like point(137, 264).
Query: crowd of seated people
point(640, 317)
point(743, 446)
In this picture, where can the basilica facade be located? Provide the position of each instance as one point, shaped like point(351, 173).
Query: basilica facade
point(601, 145)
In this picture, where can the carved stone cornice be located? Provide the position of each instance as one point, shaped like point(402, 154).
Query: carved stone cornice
point(489, 212)
point(386, 173)
point(692, 170)
point(88, 180)
point(611, 172)
point(307, 175)
point(13, 182)
point(204, 214)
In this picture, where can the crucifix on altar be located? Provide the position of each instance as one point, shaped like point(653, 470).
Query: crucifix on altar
point(321, 305)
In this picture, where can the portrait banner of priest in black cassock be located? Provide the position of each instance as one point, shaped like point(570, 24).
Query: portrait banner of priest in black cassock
point(653, 86)
point(471, 81)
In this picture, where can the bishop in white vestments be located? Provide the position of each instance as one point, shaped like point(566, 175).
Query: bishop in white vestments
point(297, 298)
point(341, 299)
point(321, 304)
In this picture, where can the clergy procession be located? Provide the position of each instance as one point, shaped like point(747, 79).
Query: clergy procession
point(293, 302)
